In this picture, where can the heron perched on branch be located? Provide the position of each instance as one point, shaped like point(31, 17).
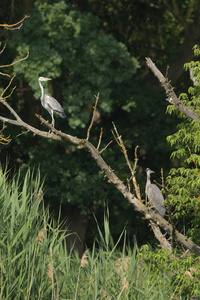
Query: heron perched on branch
point(49, 103)
point(154, 195)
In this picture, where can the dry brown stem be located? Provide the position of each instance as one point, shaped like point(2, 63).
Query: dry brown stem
point(132, 170)
point(15, 26)
point(93, 116)
point(100, 138)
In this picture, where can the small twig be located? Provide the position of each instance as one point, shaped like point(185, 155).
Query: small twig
point(93, 115)
point(7, 87)
point(4, 141)
point(14, 26)
point(5, 74)
point(136, 159)
point(24, 132)
point(15, 62)
point(4, 127)
point(100, 137)
point(132, 170)
point(105, 147)
point(116, 139)
point(3, 48)
point(8, 96)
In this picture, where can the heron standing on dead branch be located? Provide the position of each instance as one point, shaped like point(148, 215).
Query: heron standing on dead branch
point(50, 103)
point(154, 195)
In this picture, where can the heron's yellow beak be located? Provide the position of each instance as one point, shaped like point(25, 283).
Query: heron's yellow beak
point(48, 79)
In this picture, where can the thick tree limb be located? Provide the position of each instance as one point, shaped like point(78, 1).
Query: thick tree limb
point(160, 237)
point(18, 122)
point(171, 96)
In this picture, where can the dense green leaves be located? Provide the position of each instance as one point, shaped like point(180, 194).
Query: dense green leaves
point(185, 182)
point(68, 45)
point(183, 272)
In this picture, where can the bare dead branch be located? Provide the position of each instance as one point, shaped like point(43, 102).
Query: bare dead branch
point(136, 159)
point(4, 140)
point(5, 74)
point(100, 137)
point(171, 96)
point(16, 62)
point(20, 123)
point(23, 132)
point(5, 103)
point(93, 115)
point(105, 147)
point(3, 48)
point(15, 26)
point(7, 88)
point(8, 96)
point(160, 237)
point(132, 170)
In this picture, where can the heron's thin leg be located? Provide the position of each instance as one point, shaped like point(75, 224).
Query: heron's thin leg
point(53, 121)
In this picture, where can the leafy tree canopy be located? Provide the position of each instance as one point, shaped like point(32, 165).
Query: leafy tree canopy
point(184, 182)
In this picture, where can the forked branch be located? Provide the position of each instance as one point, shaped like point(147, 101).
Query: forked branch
point(120, 142)
point(171, 96)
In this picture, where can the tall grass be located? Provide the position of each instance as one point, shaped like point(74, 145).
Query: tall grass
point(28, 243)
point(34, 263)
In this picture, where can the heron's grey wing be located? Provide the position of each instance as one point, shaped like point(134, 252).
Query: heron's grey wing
point(54, 105)
point(156, 199)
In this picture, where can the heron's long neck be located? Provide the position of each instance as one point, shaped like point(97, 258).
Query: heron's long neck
point(42, 90)
point(148, 181)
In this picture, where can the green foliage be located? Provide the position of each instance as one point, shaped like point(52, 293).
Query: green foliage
point(123, 20)
point(184, 182)
point(182, 271)
point(84, 59)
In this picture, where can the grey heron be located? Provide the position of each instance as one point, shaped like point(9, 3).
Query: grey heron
point(50, 103)
point(154, 195)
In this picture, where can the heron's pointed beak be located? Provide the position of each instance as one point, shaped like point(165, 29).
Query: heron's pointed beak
point(152, 171)
point(48, 79)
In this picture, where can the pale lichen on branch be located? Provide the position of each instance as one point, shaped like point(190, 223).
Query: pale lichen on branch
point(7, 88)
point(15, 26)
point(100, 137)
